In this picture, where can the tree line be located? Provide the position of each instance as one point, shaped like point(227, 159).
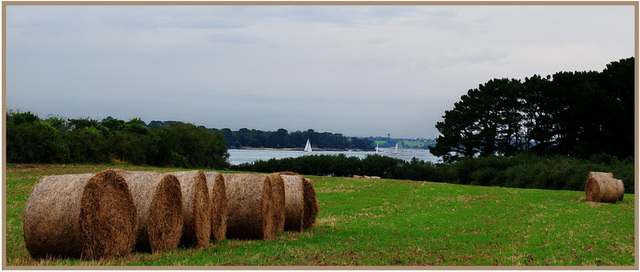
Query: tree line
point(284, 139)
point(524, 170)
point(31, 139)
point(577, 114)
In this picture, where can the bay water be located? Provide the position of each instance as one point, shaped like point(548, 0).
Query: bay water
point(239, 156)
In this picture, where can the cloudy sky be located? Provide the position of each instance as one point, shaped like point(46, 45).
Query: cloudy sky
point(355, 70)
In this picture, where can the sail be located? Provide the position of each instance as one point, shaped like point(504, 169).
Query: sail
point(396, 150)
point(377, 148)
point(307, 147)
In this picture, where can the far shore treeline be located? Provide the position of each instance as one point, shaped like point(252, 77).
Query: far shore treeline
point(282, 138)
point(543, 132)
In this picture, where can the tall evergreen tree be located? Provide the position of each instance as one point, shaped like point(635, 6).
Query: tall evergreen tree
point(570, 113)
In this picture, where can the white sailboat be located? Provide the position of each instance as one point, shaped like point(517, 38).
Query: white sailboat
point(395, 152)
point(377, 148)
point(307, 147)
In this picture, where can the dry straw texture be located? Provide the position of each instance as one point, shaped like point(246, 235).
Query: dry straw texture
point(310, 204)
point(620, 189)
point(196, 208)
point(277, 187)
point(294, 201)
point(88, 216)
point(219, 207)
point(250, 200)
point(158, 201)
point(602, 187)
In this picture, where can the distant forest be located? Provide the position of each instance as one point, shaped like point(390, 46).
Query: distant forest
point(284, 139)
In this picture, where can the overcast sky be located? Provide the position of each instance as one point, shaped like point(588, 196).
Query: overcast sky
point(355, 70)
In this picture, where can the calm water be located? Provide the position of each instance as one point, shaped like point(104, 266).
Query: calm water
point(238, 156)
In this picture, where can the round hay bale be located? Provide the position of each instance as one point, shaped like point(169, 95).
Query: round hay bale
point(601, 187)
point(158, 201)
point(310, 204)
point(88, 216)
point(196, 208)
point(250, 200)
point(277, 187)
point(219, 205)
point(620, 189)
point(294, 201)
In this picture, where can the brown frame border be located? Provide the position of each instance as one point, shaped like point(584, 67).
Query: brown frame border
point(635, 4)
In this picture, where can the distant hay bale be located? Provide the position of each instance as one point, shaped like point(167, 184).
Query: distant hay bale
point(310, 204)
point(219, 207)
point(158, 201)
point(277, 188)
point(250, 201)
point(602, 187)
point(196, 208)
point(294, 201)
point(88, 216)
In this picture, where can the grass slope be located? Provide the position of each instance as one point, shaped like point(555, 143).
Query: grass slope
point(365, 222)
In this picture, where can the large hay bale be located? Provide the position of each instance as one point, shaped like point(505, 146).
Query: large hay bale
point(196, 208)
point(158, 200)
point(88, 216)
point(250, 200)
point(219, 205)
point(277, 187)
point(294, 201)
point(310, 204)
point(602, 187)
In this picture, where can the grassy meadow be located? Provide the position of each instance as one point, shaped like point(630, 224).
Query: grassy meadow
point(365, 222)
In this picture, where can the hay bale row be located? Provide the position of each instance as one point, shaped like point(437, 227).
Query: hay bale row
point(603, 187)
point(92, 216)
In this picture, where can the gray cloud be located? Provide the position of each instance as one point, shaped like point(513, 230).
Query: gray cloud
point(356, 70)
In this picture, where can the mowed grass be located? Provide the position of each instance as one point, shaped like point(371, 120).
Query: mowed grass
point(368, 222)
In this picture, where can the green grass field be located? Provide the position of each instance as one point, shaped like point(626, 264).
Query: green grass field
point(365, 222)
